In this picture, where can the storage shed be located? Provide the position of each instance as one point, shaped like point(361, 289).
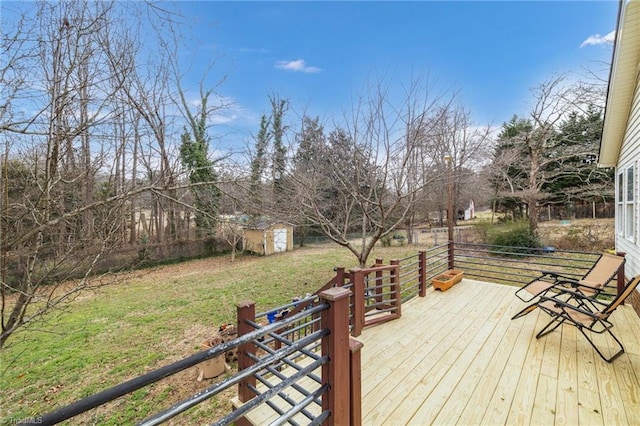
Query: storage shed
point(266, 238)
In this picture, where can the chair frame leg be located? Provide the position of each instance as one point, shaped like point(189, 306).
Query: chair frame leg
point(614, 356)
point(546, 330)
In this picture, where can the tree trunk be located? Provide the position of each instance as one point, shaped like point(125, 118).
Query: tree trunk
point(532, 206)
point(409, 222)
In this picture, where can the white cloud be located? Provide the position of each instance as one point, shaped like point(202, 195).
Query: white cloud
point(297, 66)
point(598, 39)
point(218, 119)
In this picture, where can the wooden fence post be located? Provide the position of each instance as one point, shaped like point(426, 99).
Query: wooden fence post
point(357, 276)
point(379, 281)
point(355, 382)
point(245, 311)
point(422, 273)
point(621, 278)
point(396, 291)
point(451, 256)
point(336, 347)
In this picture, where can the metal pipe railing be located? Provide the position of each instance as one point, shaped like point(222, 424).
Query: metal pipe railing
point(286, 417)
point(259, 399)
point(139, 382)
point(184, 405)
point(519, 265)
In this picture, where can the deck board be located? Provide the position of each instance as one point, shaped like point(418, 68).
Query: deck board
point(525, 394)
point(439, 381)
point(589, 403)
point(456, 357)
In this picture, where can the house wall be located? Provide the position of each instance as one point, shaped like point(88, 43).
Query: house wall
point(629, 158)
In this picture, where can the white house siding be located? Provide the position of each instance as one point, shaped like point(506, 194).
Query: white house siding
point(630, 157)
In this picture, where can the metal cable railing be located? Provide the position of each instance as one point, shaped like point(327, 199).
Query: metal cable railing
point(519, 265)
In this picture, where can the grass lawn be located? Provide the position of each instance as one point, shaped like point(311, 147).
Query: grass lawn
point(147, 320)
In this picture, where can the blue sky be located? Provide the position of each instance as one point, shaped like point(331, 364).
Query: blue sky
point(319, 54)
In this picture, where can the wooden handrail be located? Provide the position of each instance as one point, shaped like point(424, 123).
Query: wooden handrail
point(336, 347)
point(246, 314)
point(621, 280)
point(337, 280)
point(355, 381)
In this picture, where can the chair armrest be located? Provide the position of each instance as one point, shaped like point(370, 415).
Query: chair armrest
point(565, 305)
point(550, 273)
point(558, 276)
point(575, 294)
point(576, 283)
point(596, 290)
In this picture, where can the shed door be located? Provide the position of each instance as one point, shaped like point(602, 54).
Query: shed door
point(279, 240)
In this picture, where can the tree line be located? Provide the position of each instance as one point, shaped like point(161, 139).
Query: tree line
point(549, 156)
point(102, 149)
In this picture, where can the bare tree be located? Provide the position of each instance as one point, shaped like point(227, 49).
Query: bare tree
point(230, 227)
point(453, 136)
point(79, 109)
point(363, 177)
point(531, 152)
point(54, 145)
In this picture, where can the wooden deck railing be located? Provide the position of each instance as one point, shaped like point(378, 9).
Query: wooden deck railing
point(301, 391)
point(375, 294)
point(307, 347)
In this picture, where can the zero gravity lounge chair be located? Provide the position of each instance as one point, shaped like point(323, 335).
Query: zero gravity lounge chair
point(587, 314)
point(601, 273)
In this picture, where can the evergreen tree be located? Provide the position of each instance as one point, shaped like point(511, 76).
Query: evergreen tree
point(194, 156)
point(258, 164)
point(578, 177)
point(278, 108)
point(509, 173)
point(310, 143)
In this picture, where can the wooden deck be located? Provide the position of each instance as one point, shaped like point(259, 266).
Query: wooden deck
point(457, 358)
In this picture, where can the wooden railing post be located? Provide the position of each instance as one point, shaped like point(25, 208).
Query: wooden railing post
point(451, 256)
point(246, 311)
point(621, 278)
point(339, 276)
point(396, 291)
point(357, 275)
point(355, 381)
point(379, 282)
point(422, 273)
point(336, 347)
